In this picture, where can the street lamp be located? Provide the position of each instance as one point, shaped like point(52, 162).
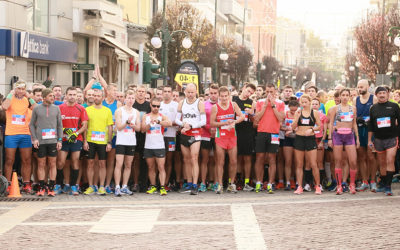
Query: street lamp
point(223, 56)
point(161, 39)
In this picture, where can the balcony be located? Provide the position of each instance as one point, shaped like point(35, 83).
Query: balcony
point(233, 10)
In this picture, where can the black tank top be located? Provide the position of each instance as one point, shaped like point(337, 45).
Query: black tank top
point(306, 121)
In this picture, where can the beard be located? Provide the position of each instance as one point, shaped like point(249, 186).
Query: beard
point(363, 92)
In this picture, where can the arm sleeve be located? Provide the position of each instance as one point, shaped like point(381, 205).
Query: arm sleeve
point(178, 120)
point(203, 121)
point(32, 125)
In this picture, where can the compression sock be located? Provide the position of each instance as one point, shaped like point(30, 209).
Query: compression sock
point(60, 177)
point(308, 176)
point(51, 185)
point(328, 173)
point(353, 174)
point(321, 175)
point(42, 185)
point(74, 176)
point(338, 176)
point(389, 177)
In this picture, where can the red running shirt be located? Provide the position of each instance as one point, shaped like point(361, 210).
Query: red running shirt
point(72, 117)
point(222, 116)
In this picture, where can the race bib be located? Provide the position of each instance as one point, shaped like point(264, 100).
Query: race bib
point(154, 130)
point(316, 131)
point(288, 122)
point(171, 146)
point(275, 139)
point(246, 116)
point(366, 118)
point(383, 122)
point(346, 116)
point(49, 133)
point(305, 121)
point(98, 136)
point(127, 129)
point(18, 119)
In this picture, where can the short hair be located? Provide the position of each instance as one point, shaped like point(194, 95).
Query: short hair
point(56, 86)
point(270, 85)
point(46, 92)
point(316, 99)
point(149, 92)
point(132, 86)
point(69, 89)
point(129, 92)
point(287, 87)
point(261, 86)
point(166, 86)
point(250, 85)
point(181, 94)
point(156, 99)
point(223, 89)
point(160, 87)
point(34, 91)
point(337, 94)
point(306, 96)
point(111, 85)
point(98, 90)
point(312, 87)
point(214, 86)
point(345, 90)
point(293, 103)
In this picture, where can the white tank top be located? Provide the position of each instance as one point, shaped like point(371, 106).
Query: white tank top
point(154, 135)
point(169, 110)
point(127, 136)
point(191, 115)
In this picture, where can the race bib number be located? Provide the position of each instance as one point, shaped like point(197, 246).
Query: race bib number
point(49, 133)
point(127, 129)
point(98, 136)
point(288, 122)
point(156, 130)
point(383, 122)
point(18, 119)
point(346, 116)
point(275, 139)
point(246, 116)
point(316, 131)
point(171, 146)
point(305, 121)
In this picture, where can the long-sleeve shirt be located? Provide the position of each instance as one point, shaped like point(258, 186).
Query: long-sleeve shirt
point(46, 124)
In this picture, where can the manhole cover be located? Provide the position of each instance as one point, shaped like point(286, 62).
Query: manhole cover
point(23, 199)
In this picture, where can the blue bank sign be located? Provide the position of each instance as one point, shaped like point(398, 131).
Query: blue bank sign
point(24, 44)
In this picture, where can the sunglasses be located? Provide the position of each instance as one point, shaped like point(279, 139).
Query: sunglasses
point(155, 106)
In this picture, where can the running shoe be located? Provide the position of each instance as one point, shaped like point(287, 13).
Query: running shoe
point(388, 191)
point(248, 188)
point(373, 187)
point(258, 188)
point(126, 191)
point(117, 192)
point(96, 189)
point(163, 191)
point(320, 187)
point(151, 190)
point(74, 190)
point(380, 189)
point(40, 192)
point(66, 189)
point(57, 189)
point(219, 189)
point(270, 189)
point(345, 187)
point(273, 187)
point(194, 191)
point(102, 191)
point(108, 190)
point(168, 188)
point(27, 188)
point(318, 190)
point(287, 188)
point(89, 191)
point(185, 188)
point(292, 184)
point(363, 187)
point(264, 185)
point(353, 188)
point(339, 190)
point(51, 193)
point(299, 190)
point(203, 187)
point(331, 186)
point(307, 188)
point(135, 188)
point(396, 179)
point(239, 187)
point(232, 188)
point(210, 187)
point(215, 187)
point(280, 185)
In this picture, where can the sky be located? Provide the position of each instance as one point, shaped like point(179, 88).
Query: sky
point(330, 19)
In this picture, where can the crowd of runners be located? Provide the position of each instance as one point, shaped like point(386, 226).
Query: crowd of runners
point(99, 140)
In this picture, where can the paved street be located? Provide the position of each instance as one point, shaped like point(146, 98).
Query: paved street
point(181, 221)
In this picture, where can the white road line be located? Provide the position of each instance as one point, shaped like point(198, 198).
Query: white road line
point(17, 215)
point(59, 223)
point(201, 203)
point(197, 223)
point(126, 221)
point(247, 231)
point(160, 223)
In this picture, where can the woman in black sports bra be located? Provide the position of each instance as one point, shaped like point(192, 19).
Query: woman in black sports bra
point(305, 121)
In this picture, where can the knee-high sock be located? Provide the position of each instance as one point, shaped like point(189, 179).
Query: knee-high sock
point(338, 176)
point(353, 174)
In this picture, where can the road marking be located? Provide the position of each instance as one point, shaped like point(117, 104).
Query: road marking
point(59, 223)
point(18, 214)
point(195, 223)
point(160, 223)
point(126, 221)
point(247, 231)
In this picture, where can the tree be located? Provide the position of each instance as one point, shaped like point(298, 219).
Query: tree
point(271, 69)
point(351, 60)
point(374, 50)
point(183, 16)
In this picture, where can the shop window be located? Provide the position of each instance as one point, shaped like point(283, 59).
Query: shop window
point(42, 72)
point(83, 49)
point(38, 15)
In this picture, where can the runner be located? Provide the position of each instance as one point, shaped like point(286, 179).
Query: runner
point(191, 111)
point(169, 108)
point(223, 118)
point(269, 115)
point(98, 140)
point(127, 121)
point(343, 129)
point(383, 126)
point(245, 132)
point(46, 130)
point(74, 119)
point(260, 92)
point(365, 156)
point(17, 135)
point(154, 149)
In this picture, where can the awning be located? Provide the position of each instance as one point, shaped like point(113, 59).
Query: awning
point(114, 43)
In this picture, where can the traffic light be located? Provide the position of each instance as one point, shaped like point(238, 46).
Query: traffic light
point(149, 70)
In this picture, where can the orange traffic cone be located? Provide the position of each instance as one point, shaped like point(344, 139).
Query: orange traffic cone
point(14, 190)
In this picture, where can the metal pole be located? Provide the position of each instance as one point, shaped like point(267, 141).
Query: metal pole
point(244, 21)
point(164, 55)
point(383, 33)
point(140, 80)
point(216, 43)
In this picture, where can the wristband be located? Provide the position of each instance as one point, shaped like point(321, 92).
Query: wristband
point(9, 96)
point(273, 106)
point(59, 139)
point(109, 142)
point(31, 101)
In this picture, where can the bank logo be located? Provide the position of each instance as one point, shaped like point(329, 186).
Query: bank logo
point(24, 44)
point(32, 44)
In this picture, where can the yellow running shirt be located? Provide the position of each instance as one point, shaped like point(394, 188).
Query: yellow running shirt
point(99, 119)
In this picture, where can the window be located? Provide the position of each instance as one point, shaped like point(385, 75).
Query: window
point(113, 1)
point(83, 49)
point(42, 72)
point(38, 15)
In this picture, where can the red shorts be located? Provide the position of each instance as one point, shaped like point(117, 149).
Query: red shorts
point(226, 143)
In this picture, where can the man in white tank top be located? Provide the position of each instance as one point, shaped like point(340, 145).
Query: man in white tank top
point(191, 117)
point(127, 122)
point(169, 108)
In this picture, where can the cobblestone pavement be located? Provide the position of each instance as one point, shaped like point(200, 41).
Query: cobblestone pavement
point(207, 221)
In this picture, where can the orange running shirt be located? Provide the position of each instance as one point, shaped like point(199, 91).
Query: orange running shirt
point(18, 116)
point(269, 123)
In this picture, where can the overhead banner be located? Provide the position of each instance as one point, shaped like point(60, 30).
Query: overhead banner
point(187, 73)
